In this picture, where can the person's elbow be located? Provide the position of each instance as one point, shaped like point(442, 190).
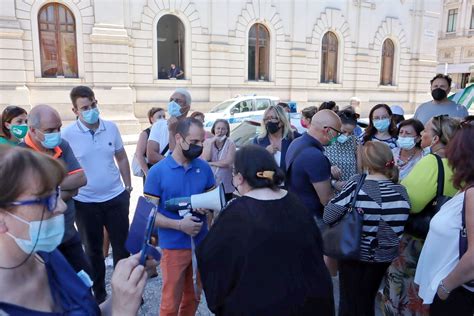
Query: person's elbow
point(82, 179)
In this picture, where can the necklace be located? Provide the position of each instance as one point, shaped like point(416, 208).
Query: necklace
point(402, 163)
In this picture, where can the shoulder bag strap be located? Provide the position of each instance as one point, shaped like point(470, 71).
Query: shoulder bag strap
point(163, 152)
point(360, 182)
point(463, 212)
point(440, 190)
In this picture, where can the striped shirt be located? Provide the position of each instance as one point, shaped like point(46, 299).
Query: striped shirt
point(385, 206)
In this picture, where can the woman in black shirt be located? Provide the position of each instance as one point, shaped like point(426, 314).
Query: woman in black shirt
point(263, 255)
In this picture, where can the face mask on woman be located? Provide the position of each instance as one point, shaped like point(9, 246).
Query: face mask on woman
point(19, 131)
point(406, 142)
point(382, 125)
point(45, 235)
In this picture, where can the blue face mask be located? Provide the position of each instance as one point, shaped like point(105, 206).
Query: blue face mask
point(382, 125)
point(174, 109)
point(44, 235)
point(51, 140)
point(342, 138)
point(91, 116)
point(406, 142)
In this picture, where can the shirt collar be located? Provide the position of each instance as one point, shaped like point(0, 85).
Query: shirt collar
point(29, 142)
point(175, 165)
point(85, 129)
point(313, 141)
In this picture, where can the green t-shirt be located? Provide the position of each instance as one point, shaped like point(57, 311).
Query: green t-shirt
point(421, 182)
point(3, 140)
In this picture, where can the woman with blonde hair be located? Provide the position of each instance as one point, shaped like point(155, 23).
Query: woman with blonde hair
point(400, 293)
point(275, 134)
point(385, 207)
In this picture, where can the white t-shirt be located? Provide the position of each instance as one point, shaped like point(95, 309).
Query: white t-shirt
point(96, 154)
point(159, 133)
point(440, 253)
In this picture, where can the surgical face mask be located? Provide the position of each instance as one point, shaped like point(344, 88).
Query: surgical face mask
point(45, 235)
point(382, 125)
point(221, 138)
point(174, 109)
point(51, 140)
point(426, 151)
point(19, 131)
point(91, 116)
point(342, 138)
point(406, 142)
point(438, 94)
point(273, 127)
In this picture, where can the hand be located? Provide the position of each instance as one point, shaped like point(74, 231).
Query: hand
point(203, 211)
point(339, 185)
point(128, 284)
point(272, 149)
point(172, 123)
point(442, 294)
point(190, 225)
point(336, 173)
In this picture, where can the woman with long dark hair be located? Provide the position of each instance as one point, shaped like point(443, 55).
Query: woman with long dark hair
point(381, 126)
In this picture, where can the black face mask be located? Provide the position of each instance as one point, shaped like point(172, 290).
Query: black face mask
point(272, 127)
point(192, 152)
point(438, 94)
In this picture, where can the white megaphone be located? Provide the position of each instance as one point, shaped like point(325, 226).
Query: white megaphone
point(212, 200)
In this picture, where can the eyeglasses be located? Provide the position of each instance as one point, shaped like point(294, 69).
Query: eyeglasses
point(50, 201)
point(337, 131)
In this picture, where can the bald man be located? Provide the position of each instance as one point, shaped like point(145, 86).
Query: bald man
point(308, 169)
point(44, 125)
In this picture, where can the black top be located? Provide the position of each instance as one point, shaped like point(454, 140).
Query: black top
point(265, 258)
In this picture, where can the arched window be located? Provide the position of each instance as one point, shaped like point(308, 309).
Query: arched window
point(170, 42)
point(329, 58)
point(386, 74)
point(57, 34)
point(259, 53)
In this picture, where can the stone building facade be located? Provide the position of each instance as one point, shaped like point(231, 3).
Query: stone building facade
point(117, 45)
point(456, 42)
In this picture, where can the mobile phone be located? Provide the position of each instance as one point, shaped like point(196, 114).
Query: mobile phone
point(147, 238)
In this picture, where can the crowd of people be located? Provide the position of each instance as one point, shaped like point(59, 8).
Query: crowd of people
point(410, 181)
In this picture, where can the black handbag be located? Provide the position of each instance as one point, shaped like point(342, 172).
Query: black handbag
point(463, 235)
point(341, 240)
point(418, 224)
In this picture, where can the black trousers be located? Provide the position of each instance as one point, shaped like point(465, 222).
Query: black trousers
point(74, 254)
point(358, 285)
point(91, 219)
point(460, 303)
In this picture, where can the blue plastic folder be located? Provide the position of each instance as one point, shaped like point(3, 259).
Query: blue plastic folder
point(139, 235)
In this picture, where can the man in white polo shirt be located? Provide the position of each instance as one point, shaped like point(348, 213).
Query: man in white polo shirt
point(104, 201)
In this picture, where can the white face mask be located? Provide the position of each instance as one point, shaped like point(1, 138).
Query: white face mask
point(45, 235)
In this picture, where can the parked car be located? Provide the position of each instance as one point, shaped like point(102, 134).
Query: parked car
point(237, 109)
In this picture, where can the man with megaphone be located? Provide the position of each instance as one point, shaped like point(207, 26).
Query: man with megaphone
point(182, 174)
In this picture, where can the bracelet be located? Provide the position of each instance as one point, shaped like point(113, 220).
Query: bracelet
point(443, 287)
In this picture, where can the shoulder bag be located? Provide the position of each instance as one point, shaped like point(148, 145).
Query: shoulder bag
point(341, 240)
point(463, 235)
point(418, 224)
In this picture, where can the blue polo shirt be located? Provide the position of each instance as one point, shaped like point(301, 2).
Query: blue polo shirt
point(166, 180)
point(308, 164)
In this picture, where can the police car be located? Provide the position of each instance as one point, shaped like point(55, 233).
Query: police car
point(240, 108)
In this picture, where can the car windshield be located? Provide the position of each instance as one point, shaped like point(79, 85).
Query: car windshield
point(244, 133)
point(221, 106)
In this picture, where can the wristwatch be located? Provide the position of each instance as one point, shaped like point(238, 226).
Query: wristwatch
point(129, 188)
